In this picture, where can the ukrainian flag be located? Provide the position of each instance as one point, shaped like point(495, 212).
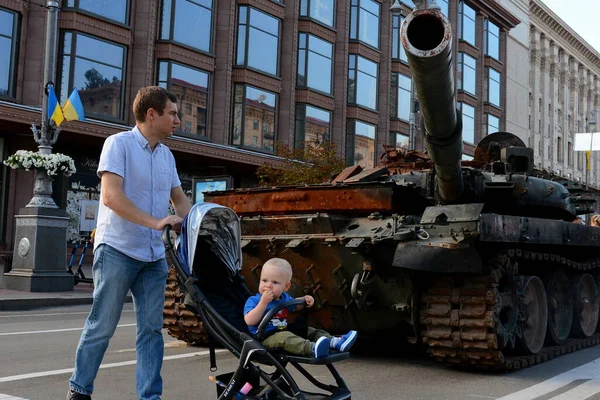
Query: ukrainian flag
point(73, 108)
point(54, 111)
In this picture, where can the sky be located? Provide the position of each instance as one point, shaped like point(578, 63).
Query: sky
point(582, 16)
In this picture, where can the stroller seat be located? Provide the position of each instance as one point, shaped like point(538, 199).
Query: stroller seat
point(208, 261)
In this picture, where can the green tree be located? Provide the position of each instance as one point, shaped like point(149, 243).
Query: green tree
point(313, 163)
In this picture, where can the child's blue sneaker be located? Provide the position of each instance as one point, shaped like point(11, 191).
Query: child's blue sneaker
point(344, 342)
point(321, 347)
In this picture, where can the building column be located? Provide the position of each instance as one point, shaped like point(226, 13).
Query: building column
point(340, 82)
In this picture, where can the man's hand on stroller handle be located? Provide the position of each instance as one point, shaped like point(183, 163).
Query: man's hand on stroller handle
point(173, 220)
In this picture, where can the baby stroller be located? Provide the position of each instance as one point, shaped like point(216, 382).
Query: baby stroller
point(208, 261)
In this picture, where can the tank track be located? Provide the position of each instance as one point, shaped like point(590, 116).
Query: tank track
point(459, 317)
point(180, 322)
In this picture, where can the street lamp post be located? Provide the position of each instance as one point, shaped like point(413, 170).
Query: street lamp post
point(40, 253)
point(47, 135)
point(588, 158)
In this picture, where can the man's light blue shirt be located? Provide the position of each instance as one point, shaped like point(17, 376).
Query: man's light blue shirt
point(148, 177)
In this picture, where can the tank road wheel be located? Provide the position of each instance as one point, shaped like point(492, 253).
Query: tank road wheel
point(535, 307)
point(508, 307)
point(585, 305)
point(560, 308)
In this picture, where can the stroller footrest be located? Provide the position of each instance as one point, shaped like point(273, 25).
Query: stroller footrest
point(330, 359)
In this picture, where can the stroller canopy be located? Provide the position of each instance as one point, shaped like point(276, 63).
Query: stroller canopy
point(217, 226)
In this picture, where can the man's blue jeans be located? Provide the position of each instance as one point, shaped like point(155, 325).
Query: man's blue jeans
point(114, 275)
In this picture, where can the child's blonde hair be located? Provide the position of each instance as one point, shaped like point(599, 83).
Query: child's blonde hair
point(596, 220)
point(282, 265)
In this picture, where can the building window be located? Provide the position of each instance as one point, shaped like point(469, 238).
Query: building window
point(312, 125)
point(254, 116)
point(315, 63)
point(398, 52)
point(258, 41)
point(360, 144)
point(362, 82)
point(116, 10)
point(190, 85)
point(493, 124)
point(468, 120)
point(364, 22)
point(492, 40)
point(96, 69)
point(570, 154)
point(319, 10)
point(188, 22)
point(494, 87)
point(399, 140)
point(443, 6)
point(400, 96)
point(559, 151)
point(467, 23)
point(466, 73)
point(8, 52)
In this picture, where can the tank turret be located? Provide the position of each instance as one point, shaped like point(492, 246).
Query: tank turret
point(427, 38)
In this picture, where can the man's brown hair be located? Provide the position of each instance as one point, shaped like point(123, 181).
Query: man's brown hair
point(149, 97)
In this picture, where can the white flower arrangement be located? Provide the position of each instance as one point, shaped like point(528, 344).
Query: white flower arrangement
point(52, 163)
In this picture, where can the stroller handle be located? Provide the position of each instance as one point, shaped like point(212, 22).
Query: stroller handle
point(166, 237)
point(268, 316)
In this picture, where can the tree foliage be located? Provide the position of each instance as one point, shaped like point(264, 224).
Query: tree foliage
point(94, 79)
point(313, 163)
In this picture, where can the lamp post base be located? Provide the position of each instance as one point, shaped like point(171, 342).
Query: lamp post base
point(40, 254)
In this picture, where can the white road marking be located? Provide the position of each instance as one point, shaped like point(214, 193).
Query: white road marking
point(121, 351)
point(8, 397)
point(103, 366)
point(590, 370)
point(54, 330)
point(581, 392)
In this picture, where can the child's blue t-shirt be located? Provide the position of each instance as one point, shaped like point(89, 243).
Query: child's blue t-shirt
point(279, 320)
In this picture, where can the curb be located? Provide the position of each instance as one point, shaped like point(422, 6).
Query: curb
point(24, 304)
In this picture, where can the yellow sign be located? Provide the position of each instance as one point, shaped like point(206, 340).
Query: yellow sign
point(588, 154)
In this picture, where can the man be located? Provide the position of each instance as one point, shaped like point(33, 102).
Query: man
point(138, 177)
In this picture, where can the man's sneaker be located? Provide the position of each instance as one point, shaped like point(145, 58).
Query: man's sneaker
point(71, 395)
point(321, 348)
point(345, 342)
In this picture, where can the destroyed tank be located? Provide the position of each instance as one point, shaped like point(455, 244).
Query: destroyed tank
point(479, 261)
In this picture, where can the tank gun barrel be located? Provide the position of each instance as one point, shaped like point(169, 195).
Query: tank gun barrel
point(427, 38)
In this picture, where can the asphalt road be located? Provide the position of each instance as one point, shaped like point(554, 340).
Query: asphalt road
point(37, 350)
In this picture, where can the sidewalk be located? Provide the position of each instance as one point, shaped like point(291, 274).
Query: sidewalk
point(12, 300)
